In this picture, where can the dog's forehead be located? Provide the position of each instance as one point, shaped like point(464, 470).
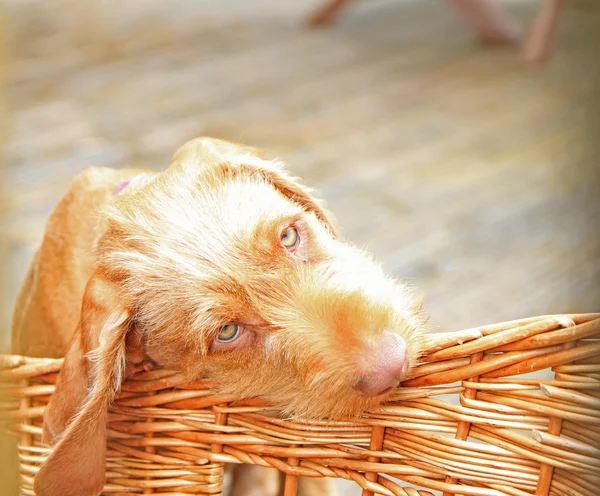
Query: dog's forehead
point(207, 227)
point(245, 203)
point(242, 221)
point(200, 229)
point(213, 201)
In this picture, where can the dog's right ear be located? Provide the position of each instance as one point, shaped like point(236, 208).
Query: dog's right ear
point(74, 419)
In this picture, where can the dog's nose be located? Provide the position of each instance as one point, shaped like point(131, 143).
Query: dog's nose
point(390, 366)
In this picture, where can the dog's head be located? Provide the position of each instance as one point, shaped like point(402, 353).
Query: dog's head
point(225, 266)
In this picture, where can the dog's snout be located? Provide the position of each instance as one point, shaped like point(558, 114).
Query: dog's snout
point(389, 366)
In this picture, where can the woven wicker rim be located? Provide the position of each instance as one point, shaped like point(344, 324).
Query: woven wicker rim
point(509, 434)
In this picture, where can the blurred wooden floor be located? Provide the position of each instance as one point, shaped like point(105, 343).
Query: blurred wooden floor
point(464, 171)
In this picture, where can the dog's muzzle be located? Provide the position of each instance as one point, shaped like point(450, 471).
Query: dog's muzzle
point(389, 366)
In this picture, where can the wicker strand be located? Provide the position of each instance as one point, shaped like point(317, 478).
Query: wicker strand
point(375, 444)
point(462, 431)
point(291, 480)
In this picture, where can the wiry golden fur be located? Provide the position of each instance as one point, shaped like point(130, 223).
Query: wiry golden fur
point(155, 271)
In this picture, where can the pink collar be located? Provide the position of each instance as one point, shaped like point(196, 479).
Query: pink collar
point(121, 186)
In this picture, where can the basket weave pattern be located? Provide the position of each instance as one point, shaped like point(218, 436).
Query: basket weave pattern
point(470, 420)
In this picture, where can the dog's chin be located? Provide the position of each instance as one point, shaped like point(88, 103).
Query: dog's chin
point(385, 392)
point(331, 397)
point(333, 406)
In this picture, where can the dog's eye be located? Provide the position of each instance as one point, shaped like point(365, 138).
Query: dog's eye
point(290, 238)
point(229, 332)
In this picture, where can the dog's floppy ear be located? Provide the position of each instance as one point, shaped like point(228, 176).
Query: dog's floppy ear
point(211, 152)
point(95, 362)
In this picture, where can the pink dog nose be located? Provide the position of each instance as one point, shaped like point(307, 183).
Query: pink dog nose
point(391, 366)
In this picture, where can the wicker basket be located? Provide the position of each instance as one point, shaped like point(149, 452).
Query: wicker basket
point(471, 420)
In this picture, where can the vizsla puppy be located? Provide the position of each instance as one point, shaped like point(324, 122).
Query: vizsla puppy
point(222, 266)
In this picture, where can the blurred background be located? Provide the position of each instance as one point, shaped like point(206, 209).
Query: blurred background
point(464, 170)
